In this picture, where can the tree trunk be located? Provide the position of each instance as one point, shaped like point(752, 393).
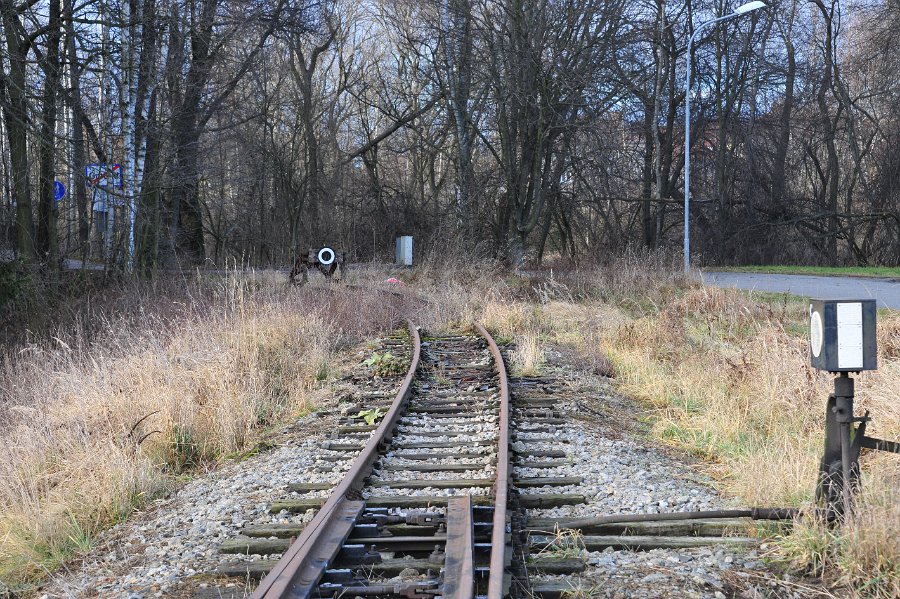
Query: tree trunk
point(651, 231)
point(47, 239)
point(647, 216)
point(16, 117)
point(304, 68)
point(185, 219)
point(148, 220)
point(779, 174)
point(186, 225)
point(78, 194)
point(457, 45)
point(832, 172)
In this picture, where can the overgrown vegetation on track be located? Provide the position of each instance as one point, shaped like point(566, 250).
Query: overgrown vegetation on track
point(111, 408)
point(722, 375)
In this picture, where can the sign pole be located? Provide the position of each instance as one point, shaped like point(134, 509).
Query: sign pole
point(839, 468)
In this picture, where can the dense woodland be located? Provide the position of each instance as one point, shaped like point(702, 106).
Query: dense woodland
point(246, 131)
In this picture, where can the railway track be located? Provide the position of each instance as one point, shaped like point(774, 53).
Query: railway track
point(435, 496)
point(427, 506)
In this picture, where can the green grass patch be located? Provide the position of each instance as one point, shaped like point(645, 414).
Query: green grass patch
point(778, 299)
point(827, 271)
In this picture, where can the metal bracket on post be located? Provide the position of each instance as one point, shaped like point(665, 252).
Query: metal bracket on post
point(839, 468)
point(839, 473)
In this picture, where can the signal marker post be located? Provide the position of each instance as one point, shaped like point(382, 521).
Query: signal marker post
point(842, 340)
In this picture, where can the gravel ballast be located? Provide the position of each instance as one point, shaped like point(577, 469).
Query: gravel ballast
point(623, 472)
point(158, 552)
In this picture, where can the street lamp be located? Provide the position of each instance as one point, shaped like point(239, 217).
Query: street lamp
point(743, 9)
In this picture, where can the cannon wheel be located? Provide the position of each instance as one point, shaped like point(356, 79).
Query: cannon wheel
point(300, 272)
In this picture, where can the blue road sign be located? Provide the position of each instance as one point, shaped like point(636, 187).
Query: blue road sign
point(59, 190)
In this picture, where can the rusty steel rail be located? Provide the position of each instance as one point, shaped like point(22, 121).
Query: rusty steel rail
point(297, 573)
point(501, 485)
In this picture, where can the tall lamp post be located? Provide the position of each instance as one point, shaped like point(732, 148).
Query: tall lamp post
point(743, 9)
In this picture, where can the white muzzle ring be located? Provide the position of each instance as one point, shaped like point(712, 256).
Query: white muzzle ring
point(326, 256)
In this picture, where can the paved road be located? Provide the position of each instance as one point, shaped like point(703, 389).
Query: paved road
point(886, 291)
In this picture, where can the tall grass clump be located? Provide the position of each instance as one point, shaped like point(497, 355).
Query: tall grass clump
point(636, 281)
point(728, 378)
point(103, 413)
point(527, 357)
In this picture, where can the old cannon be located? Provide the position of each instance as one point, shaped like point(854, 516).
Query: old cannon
point(325, 259)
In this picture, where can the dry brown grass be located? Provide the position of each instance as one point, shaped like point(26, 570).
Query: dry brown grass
point(868, 551)
point(862, 556)
point(527, 357)
point(729, 379)
point(726, 377)
point(93, 428)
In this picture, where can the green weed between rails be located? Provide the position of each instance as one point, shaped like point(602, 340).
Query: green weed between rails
point(386, 364)
point(441, 381)
point(372, 415)
point(565, 543)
